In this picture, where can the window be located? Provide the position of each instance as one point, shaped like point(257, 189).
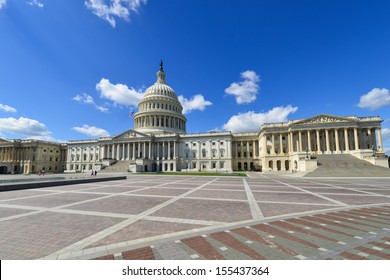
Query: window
point(221, 164)
point(213, 143)
point(204, 153)
point(214, 153)
point(221, 143)
point(213, 165)
point(194, 144)
point(85, 157)
point(193, 165)
point(222, 153)
point(50, 159)
point(193, 154)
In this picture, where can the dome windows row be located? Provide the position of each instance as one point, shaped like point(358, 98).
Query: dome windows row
point(163, 106)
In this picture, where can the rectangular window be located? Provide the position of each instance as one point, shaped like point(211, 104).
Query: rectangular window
point(221, 164)
point(213, 165)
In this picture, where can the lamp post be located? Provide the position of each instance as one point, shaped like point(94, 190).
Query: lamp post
point(373, 150)
point(307, 152)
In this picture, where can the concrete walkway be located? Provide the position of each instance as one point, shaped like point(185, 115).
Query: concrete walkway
point(180, 217)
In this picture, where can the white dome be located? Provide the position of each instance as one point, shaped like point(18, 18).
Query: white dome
point(159, 110)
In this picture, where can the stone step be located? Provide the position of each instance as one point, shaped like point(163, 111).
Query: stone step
point(346, 166)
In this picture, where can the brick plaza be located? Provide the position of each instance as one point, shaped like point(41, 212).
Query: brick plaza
point(194, 217)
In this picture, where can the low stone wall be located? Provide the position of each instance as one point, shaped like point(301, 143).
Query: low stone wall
point(42, 184)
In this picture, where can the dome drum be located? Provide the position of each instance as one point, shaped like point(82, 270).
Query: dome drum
point(159, 110)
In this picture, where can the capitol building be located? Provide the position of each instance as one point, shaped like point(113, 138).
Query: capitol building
point(159, 142)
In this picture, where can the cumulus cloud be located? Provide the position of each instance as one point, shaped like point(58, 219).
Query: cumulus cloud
point(2, 3)
point(246, 90)
point(196, 102)
point(35, 3)
point(385, 134)
point(251, 121)
point(24, 126)
point(376, 98)
point(87, 99)
point(92, 131)
point(7, 108)
point(120, 94)
point(108, 10)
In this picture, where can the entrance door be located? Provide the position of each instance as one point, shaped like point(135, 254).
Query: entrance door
point(3, 170)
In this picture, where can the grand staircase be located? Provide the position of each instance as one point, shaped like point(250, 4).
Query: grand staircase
point(119, 166)
point(346, 166)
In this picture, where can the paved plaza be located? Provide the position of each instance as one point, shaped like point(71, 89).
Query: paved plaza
point(196, 217)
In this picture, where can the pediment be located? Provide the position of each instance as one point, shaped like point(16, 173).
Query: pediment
point(129, 134)
point(2, 140)
point(324, 119)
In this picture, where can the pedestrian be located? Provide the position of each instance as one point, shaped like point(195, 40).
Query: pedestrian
point(92, 173)
point(95, 172)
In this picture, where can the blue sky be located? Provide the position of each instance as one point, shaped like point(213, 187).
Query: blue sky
point(75, 69)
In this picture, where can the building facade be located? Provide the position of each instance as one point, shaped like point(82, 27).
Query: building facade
point(31, 156)
point(159, 142)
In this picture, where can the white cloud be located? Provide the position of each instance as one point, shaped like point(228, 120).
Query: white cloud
point(251, 121)
point(35, 3)
point(120, 94)
point(109, 9)
point(87, 99)
point(385, 134)
point(23, 126)
point(2, 3)
point(197, 102)
point(7, 108)
point(92, 131)
point(375, 99)
point(246, 90)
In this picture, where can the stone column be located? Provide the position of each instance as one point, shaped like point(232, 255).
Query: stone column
point(253, 148)
point(369, 138)
point(123, 151)
point(273, 143)
point(346, 140)
point(247, 150)
point(290, 142)
point(280, 143)
point(308, 140)
point(174, 150)
point(265, 144)
point(327, 140)
point(380, 143)
point(318, 141)
point(242, 150)
point(355, 134)
point(336, 134)
point(236, 149)
point(300, 140)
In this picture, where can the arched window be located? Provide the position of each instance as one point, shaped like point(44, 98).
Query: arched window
point(193, 154)
point(222, 152)
point(214, 153)
point(204, 153)
point(85, 157)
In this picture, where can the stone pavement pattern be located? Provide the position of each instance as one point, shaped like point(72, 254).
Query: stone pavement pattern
point(181, 217)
